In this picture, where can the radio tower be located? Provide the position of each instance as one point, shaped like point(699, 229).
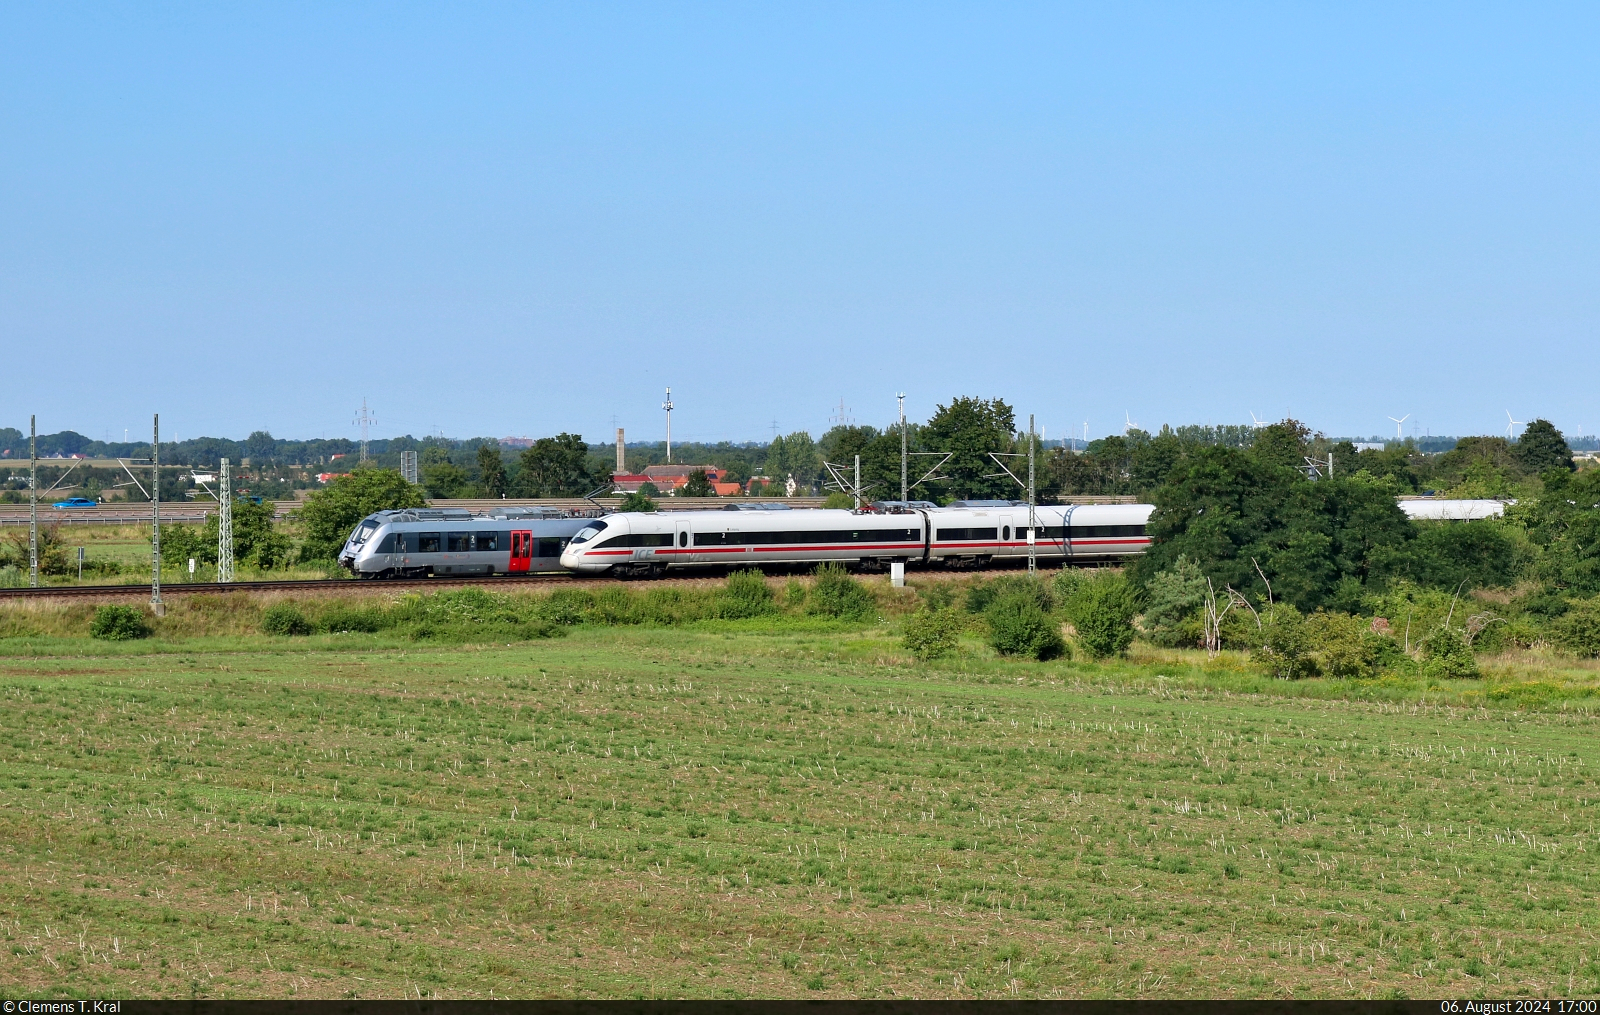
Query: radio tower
point(364, 420)
point(33, 503)
point(903, 492)
point(156, 605)
point(667, 405)
point(224, 525)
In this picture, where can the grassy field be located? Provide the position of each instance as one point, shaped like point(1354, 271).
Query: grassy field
point(774, 808)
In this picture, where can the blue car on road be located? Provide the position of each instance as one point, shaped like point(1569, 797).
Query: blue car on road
point(75, 502)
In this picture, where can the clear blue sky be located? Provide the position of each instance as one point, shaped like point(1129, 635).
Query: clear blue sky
point(520, 219)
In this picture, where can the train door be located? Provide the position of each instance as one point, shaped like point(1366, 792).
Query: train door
point(521, 551)
point(684, 540)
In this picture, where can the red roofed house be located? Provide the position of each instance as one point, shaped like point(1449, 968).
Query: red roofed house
point(668, 478)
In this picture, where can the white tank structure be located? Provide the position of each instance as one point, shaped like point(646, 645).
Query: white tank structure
point(1431, 510)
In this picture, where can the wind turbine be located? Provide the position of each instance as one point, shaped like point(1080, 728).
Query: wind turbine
point(1510, 425)
point(1399, 431)
point(1129, 424)
point(1256, 424)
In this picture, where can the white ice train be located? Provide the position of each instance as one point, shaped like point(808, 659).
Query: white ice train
point(418, 542)
point(966, 533)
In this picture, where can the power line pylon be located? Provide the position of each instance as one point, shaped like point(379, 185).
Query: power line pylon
point(364, 420)
point(224, 524)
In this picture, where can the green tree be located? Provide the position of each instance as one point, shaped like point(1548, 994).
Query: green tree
point(932, 633)
point(556, 467)
point(1541, 448)
point(1101, 608)
point(491, 470)
point(698, 485)
point(794, 455)
point(330, 514)
point(1173, 601)
point(970, 429)
point(1018, 627)
point(255, 540)
point(1565, 521)
point(636, 502)
point(1282, 444)
point(1237, 516)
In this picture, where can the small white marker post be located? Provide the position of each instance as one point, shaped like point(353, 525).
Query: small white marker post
point(897, 574)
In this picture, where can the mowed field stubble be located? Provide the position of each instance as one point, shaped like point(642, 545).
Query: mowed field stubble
point(748, 810)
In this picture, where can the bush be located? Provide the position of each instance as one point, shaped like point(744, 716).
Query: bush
point(745, 594)
point(982, 594)
point(636, 502)
point(1102, 609)
point(1285, 643)
point(1066, 582)
point(285, 619)
point(836, 594)
point(341, 618)
point(1447, 655)
point(1578, 630)
point(566, 606)
point(1017, 627)
point(839, 501)
point(1345, 646)
point(932, 633)
point(119, 623)
point(1173, 599)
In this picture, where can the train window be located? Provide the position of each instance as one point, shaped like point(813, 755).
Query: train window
point(486, 541)
point(588, 532)
point(638, 539)
point(403, 542)
point(458, 542)
point(428, 542)
point(387, 545)
point(550, 547)
point(966, 534)
point(683, 539)
point(360, 535)
point(1092, 531)
point(1006, 533)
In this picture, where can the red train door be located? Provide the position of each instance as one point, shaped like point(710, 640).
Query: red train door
point(521, 551)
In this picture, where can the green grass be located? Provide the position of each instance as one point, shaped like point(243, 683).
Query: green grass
point(773, 807)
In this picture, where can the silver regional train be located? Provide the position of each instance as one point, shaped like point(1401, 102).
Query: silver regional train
point(418, 542)
point(966, 533)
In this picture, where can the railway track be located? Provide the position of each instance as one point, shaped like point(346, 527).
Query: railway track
point(386, 584)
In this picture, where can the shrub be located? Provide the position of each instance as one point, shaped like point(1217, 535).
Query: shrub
point(937, 595)
point(1173, 599)
point(1578, 630)
point(1066, 582)
point(932, 633)
point(636, 502)
point(1345, 646)
point(566, 606)
point(1017, 627)
point(1447, 655)
point(745, 594)
point(119, 623)
point(982, 594)
point(285, 619)
point(836, 594)
point(1102, 609)
point(342, 617)
point(839, 501)
point(1285, 643)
